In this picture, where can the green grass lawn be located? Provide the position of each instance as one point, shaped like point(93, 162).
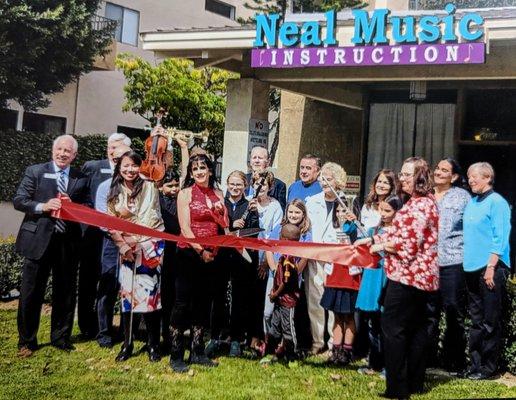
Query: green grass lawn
point(91, 373)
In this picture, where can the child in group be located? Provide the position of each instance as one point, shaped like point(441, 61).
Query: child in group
point(371, 287)
point(340, 292)
point(285, 294)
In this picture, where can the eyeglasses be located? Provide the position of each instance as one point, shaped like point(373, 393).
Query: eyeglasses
point(405, 175)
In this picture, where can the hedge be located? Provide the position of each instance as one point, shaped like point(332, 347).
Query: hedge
point(21, 149)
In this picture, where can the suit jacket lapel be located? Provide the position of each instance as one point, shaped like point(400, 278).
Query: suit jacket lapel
point(72, 180)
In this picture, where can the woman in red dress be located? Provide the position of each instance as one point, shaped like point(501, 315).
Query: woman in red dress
point(201, 213)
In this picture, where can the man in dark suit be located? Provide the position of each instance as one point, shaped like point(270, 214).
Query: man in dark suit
point(260, 161)
point(97, 172)
point(49, 244)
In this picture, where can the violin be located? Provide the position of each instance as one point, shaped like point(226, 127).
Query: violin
point(154, 166)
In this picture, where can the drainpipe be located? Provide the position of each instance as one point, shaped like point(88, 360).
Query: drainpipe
point(76, 106)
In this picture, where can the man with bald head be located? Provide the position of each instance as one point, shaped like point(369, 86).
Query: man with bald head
point(97, 172)
point(49, 244)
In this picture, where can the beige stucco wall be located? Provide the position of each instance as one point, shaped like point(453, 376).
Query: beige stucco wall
point(331, 132)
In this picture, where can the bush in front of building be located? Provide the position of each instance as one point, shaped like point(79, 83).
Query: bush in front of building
point(21, 149)
point(509, 356)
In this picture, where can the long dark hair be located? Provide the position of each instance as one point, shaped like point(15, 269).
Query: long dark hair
point(202, 159)
point(118, 180)
point(395, 202)
point(372, 197)
point(456, 169)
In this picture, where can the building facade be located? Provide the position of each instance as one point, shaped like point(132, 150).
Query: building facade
point(448, 97)
point(93, 104)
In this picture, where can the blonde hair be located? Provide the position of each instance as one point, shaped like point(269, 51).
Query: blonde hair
point(238, 174)
point(485, 169)
point(339, 174)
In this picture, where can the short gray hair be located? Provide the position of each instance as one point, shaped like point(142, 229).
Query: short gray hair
point(260, 147)
point(75, 145)
point(485, 169)
point(117, 136)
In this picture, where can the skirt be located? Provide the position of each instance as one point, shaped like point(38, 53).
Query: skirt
point(340, 301)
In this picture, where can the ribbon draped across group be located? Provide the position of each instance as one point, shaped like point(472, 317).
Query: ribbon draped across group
point(325, 252)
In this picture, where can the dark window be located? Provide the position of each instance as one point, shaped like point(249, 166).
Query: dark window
point(218, 7)
point(128, 21)
point(133, 132)
point(43, 123)
point(8, 118)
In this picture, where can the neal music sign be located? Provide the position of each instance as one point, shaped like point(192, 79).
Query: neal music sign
point(432, 40)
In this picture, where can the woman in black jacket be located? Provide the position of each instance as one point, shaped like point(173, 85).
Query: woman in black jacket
point(246, 319)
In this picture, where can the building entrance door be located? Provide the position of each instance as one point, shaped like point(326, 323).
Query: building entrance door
point(401, 130)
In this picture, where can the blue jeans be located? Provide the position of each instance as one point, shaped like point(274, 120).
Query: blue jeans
point(107, 291)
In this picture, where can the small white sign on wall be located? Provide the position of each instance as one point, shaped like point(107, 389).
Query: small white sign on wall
point(258, 135)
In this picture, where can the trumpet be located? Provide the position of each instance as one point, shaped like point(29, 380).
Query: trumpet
point(173, 133)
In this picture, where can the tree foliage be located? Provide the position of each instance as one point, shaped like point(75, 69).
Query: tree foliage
point(193, 99)
point(46, 44)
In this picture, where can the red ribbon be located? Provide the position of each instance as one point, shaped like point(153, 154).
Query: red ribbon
point(326, 252)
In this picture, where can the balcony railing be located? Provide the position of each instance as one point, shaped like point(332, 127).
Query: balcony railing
point(439, 4)
point(99, 22)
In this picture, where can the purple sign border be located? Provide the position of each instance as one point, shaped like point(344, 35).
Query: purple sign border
point(370, 56)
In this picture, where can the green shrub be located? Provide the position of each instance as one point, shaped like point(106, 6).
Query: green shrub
point(509, 355)
point(10, 267)
point(22, 149)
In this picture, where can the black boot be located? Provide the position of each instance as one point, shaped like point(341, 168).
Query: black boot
point(127, 348)
point(290, 350)
point(152, 323)
point(334, 354)
point(197, 355)
point(345, 356)
point(177, 351)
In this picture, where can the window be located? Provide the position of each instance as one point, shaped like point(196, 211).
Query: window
point(8, 118)
point(128, 21)
point(218, 7)
point(43, 123)
point(133, 132)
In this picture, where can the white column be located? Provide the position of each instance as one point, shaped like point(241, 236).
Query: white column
point(247, 99)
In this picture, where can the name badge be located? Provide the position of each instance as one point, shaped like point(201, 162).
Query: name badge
point(106, 171)
point(49, 176)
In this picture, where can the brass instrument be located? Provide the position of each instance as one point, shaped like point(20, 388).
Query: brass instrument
point(173, 133)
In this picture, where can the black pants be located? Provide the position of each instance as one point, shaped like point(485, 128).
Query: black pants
point(89, 275)
point(61, 258)
point(485, 311)
point(450, 298)
point(152, 325)
point(168, 290)
point(107, 292)
point(243, 301)
point(302, 321)
point(372, 320)
point(405, 331)
point(220, 299)
point(193, 291)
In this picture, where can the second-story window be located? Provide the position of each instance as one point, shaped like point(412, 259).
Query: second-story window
point(128, 21)
point(221, 8)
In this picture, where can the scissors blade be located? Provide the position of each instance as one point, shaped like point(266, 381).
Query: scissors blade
point(245, 232)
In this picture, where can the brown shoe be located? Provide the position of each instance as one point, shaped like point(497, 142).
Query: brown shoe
point(25, 352)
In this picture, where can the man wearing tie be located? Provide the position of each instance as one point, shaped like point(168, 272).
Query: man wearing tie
point(49, 244)
point(97, 172)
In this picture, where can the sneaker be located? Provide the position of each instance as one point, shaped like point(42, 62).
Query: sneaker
point(382, 374)
point(212, 348)
point(235, 350)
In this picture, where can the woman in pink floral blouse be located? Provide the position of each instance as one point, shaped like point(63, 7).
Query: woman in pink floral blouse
point(412, 272)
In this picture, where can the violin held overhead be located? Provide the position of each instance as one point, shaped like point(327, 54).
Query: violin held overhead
point(154, 165)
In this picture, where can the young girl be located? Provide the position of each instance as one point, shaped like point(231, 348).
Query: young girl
point(373, 282)
point(296, 214)
point(340, 293)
